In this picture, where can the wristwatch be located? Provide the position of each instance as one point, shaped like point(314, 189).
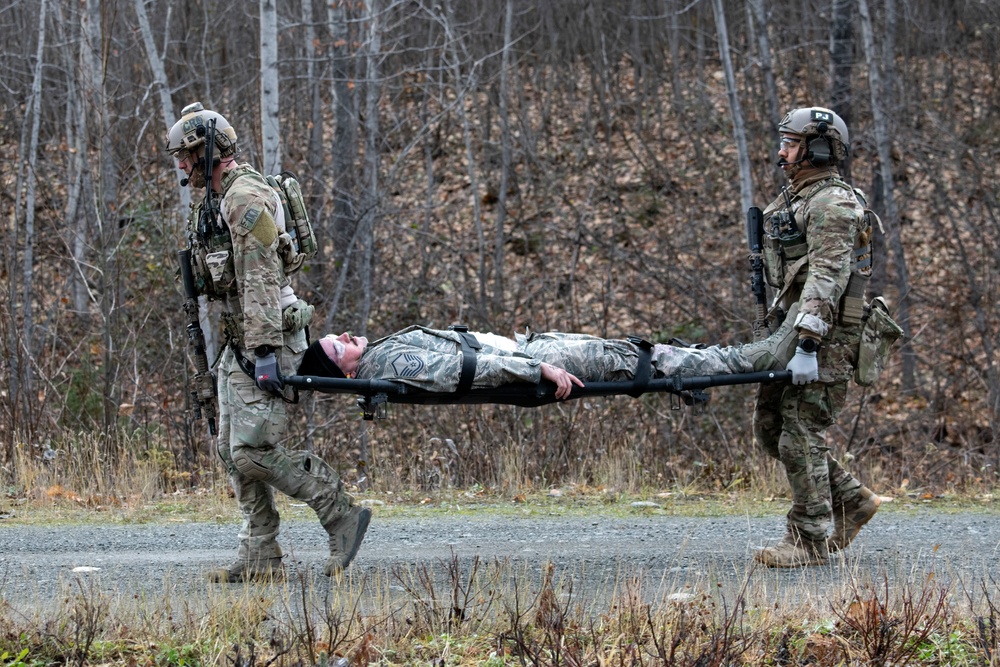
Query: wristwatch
point(808, 345)
point(263, 350)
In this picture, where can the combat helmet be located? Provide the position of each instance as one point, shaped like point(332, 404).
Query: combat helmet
point(825, 133)
point(189, 132)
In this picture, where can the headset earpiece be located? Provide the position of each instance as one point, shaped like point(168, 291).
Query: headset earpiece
point(819, 151)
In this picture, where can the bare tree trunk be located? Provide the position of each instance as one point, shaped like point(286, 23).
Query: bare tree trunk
point(841, 62)
point(314, 155)
point(22, 374)
point(759, 18)
point(96, 33)
point(270, 124)
point(766, 65)
point(344, 153)
point(373, 146)
point(505, 160)
point(739, 125)
point(461, 88)
point(676, 88)
point(880, 103)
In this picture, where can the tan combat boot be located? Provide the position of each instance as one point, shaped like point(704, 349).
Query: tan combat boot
point(849, 517)
point(775, 351)
point(793, 551)
point(248, 569)
point(346, 535)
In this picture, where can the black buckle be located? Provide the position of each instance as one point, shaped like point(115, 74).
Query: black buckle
point(643, 365)
point(374, 407)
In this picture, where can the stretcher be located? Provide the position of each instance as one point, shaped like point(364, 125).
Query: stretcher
point(374, 395)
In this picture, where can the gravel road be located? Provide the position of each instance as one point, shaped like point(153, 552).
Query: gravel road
point(668, 553)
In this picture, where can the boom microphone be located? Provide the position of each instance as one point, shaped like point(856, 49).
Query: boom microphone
point(184, 182)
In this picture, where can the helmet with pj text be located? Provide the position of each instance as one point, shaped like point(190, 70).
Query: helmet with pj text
point(824, 132)
point(190, 132)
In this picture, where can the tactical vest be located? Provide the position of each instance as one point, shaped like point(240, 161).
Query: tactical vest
point(785, 248)
point(212, 249)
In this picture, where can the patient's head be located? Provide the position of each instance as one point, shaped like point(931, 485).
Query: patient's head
point(333, 356)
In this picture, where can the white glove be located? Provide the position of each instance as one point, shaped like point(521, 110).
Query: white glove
point(804, 367)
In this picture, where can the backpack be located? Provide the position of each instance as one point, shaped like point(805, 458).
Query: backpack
point(297, 222)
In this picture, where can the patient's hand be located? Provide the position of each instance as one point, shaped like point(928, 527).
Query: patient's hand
point(564, 380)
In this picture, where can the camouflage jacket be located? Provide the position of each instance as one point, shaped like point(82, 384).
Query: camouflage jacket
point(431, 359)
point(830, 217)
point(248, 208)
point(815, 271)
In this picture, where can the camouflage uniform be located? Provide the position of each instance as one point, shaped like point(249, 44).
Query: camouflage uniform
point(790, 421)
point(252, 422)
point(431, 359)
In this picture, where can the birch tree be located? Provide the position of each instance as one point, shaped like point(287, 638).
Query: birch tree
point(270, 124)
point(505, 160)
point(22, 359)
point(370, 212)
point(161, 84)
point(739, 126)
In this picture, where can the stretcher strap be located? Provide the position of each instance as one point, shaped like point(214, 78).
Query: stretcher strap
point(641, 378)
point(470, 345)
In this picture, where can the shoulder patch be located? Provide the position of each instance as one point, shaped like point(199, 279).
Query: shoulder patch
point(250, 216)
point(257, 220)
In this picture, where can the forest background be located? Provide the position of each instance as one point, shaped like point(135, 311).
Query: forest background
point(581, 165)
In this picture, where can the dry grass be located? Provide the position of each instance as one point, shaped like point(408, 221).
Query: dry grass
point(473, 612)
point(464, 612)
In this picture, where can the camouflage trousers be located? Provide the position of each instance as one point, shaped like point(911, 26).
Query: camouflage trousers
point(790, 424)
point(252, 425)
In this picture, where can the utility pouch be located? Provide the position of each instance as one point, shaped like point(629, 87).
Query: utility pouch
point(773, 261)
point(878, 334)
point(217, 262)
point(297, 316)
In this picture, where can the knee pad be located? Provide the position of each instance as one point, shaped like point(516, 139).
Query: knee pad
point(250, 468)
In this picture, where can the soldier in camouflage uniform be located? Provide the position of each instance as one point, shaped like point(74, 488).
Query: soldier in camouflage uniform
point(817, 254)
point(244, 265)
point(431, 359)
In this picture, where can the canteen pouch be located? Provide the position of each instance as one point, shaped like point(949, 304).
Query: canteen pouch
point(878, 334)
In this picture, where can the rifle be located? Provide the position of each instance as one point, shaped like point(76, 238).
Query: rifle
point(755, 232)
point(203, 385)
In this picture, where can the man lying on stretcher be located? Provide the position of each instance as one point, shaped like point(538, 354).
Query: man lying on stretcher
point(432, 359)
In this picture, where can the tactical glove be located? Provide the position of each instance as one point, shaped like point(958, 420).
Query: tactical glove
point(804, 367)
point(266, 374)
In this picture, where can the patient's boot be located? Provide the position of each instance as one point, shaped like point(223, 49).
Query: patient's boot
point(775, 351)
point(346, 534)
point(851, 516)
point(794, 551)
